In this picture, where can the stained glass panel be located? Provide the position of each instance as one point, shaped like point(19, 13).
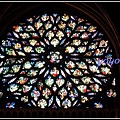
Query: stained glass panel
point(54, 61)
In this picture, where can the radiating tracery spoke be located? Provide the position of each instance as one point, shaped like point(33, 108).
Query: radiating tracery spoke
point(54, 61)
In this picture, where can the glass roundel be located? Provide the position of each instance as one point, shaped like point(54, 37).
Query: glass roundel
point(55, 61)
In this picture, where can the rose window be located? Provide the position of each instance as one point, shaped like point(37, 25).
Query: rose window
point(54, 61)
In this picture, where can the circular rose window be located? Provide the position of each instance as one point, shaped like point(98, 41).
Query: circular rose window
point(54, 61)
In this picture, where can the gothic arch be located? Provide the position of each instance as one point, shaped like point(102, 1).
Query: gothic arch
point(95, 14)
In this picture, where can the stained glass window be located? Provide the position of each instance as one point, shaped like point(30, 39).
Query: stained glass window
point(55, 61)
